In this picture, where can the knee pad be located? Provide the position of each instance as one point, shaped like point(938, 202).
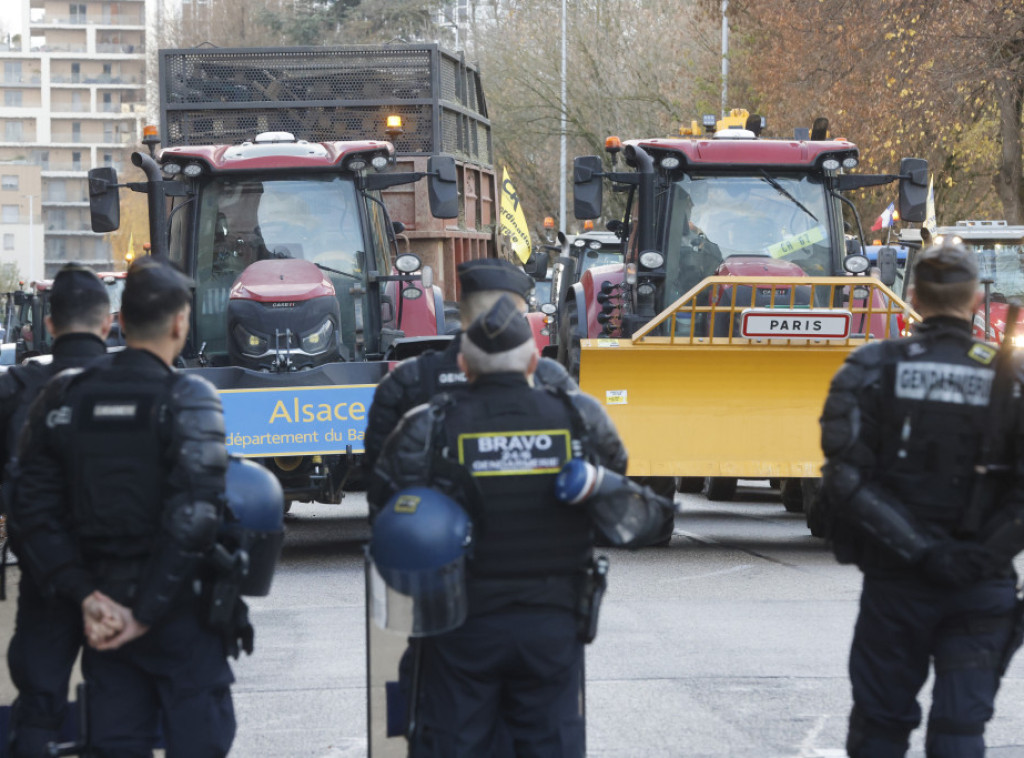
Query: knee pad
point(870, 739)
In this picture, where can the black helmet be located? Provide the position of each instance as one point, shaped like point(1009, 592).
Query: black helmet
point(254, 522)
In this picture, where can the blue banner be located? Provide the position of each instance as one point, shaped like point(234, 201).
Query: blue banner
point(296, 420)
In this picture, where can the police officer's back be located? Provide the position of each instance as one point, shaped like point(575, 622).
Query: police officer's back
point(495, 448)
point(907, 426)
point(48, 631)
point(119, 496)
point(415, 380)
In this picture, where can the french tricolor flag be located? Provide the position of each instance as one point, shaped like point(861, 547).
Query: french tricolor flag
point(885, 220)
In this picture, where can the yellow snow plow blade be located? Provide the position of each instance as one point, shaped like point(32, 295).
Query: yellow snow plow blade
point(718, 385)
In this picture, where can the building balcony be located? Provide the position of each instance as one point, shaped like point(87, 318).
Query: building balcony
point(103, 19)
point(78, 49)
point(120, 49)
point(82, 231)
point(20, 81)
point(105, 79)
point(65, 204)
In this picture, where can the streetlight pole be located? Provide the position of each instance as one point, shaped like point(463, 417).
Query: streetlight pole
point(31, 238)
point(725, 54)
point(562, 157)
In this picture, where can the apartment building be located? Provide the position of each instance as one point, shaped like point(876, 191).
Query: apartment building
point(73, 97)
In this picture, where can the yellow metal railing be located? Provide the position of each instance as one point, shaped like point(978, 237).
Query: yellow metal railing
point(874, 310)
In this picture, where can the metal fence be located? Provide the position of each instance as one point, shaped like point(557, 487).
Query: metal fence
point(223, 96)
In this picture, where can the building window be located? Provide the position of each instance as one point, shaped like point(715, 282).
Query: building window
point(12, 98)
point(41, 158)
point(12, 131)
point(77, 13)
point(8, 242)
point(76, 72)
point(76, 161)
point(9, 182)
point(76, 132)
point(108, 159)
point(12, 72)
point(9, 214)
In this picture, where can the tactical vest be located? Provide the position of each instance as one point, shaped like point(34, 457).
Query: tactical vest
point(935, 390)
point(439, 372)
point(117, 464)
point(512, 441)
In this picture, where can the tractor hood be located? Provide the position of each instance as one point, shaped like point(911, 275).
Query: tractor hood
point(754, 265)
point(279, 281)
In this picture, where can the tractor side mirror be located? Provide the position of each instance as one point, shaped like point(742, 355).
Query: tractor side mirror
point(913, 189)
point(887, 265)
point(443, 187)
point(104, 200)
point(537, 266)
point(587, 186)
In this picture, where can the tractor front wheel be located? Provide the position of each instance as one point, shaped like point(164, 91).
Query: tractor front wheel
point(720, 488)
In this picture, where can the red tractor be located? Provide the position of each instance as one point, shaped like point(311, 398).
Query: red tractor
point(740, 294)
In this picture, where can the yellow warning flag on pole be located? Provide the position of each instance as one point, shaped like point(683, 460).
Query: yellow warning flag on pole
point(130, 255)
point(929, 208)
point(513, 220)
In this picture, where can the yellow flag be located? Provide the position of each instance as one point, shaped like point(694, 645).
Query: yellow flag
point(929, 208)
point(513, 220)
point(130, 255)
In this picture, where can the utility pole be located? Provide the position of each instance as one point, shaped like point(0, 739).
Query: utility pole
point(562, 157)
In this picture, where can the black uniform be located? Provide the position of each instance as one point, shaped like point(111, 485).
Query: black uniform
point(121, 489)
point(47, 630)
point(901, 431)
point(415, 380)
point(495, 448)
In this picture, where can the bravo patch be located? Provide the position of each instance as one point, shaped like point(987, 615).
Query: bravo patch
point(515, 453)
point(944, 383)
point(983, 354)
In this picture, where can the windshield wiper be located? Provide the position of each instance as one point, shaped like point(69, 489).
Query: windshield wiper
point(785, 193)
point(336, 271)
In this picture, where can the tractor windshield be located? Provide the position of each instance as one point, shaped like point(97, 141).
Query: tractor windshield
point(715, 217)
point(1003, 264)
point(241, 220)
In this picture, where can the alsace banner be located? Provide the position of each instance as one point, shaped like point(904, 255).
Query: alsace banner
point(513, 220)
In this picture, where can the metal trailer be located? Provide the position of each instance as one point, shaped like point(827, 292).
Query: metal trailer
point(319, 94)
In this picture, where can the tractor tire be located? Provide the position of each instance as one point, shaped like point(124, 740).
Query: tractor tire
point(792, 495)
point(690, 485)
point(720, 489)
point(812, 506)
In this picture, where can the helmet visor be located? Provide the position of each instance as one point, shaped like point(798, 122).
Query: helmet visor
point(419, 603)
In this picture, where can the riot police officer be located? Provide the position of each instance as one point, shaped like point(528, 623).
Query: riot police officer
point(47, 630)
point(415, 380)
point(913, 496)
point(118, 497)
point(495, 448)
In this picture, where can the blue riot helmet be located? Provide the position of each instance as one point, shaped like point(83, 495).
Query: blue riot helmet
point(418, 552)
point(254, 522)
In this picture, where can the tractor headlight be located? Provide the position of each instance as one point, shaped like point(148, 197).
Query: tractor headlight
point(408, 263)
point(249, 343)
point(192, 170)
point(320, 340)
point(645, 290)
point(856, 264)
point(652, 259)
point(830, 164)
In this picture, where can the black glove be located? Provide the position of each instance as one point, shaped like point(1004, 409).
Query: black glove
point(957, 564)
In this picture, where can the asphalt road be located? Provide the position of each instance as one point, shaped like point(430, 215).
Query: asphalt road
point(730, 643)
